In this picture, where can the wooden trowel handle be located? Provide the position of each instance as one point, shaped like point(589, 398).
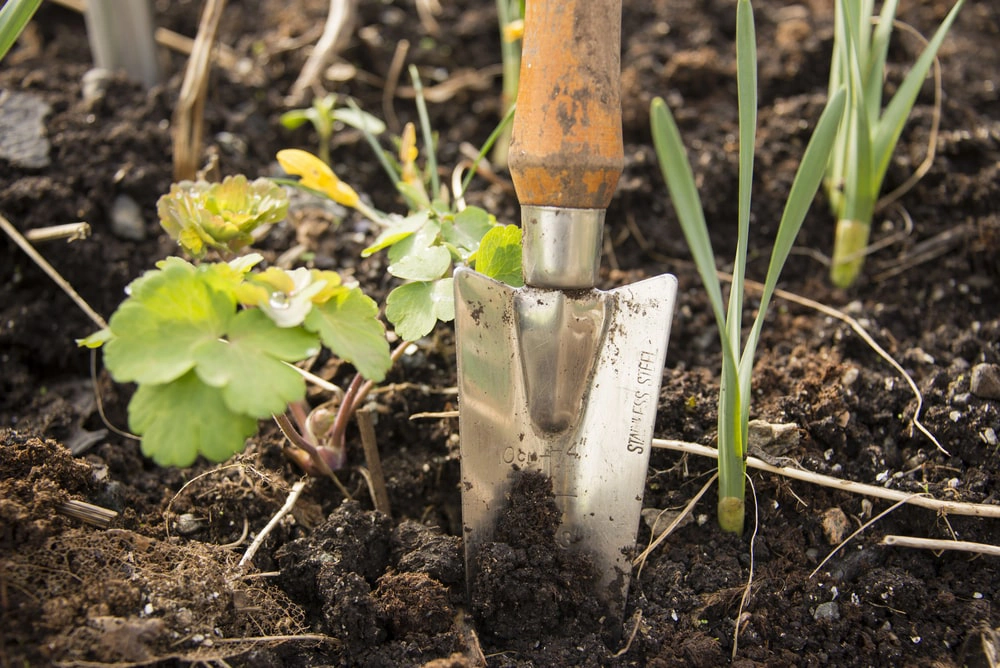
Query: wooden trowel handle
point(566, 149)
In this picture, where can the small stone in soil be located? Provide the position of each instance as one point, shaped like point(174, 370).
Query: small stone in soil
point(527, 587)
point(985, 382)
point(835, 525)
point(126, 219)
point(827, 612)
point(22, 130)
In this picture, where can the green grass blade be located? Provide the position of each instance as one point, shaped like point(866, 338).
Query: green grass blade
point(390, 170)
point(803, 190)
point(498, 131)
point(859, 195)
point(746, 84)
point(679, 178)
point(874, 68)
point(14, 16)
point(732, 447)
point(428, 134)
point(898, 110)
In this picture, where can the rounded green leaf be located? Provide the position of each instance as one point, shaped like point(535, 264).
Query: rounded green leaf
point(185, 418)
point(348, 325)
point(249, 365)
point(171, 312)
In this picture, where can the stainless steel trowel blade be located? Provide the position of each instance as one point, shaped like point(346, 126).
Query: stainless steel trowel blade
point(565, 383)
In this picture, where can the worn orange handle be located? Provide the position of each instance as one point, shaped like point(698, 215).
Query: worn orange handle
point(566, 149)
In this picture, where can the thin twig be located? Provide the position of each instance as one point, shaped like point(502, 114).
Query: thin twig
point(68, 231)
point(293, 496)
point(243, 535)
point(380, 495)
point(938, 545)
point(930, 503)
point(166, 512)
point(88, 512)
point(426, 415)
point(30, 251)
point(336, 32)
point(100, 400)
point(319, 382)
point(745, 598)
point(858, 531)
point(867, 338)
point(311, 637)
point(640, 560)
point(391, 83)
point(188, 121)
point(631, 636)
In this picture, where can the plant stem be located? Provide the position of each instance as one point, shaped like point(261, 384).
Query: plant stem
point(356, 393)
point(510, 55)
point(849, 250)
point(428, 135)
point(732, 466)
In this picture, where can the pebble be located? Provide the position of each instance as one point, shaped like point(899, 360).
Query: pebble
point(126, 219)
point(188, 524)
point(985, 382)
point(835, 525)
point(22, 130)
point(94, 84)
point(850, 376)
point(827, 612)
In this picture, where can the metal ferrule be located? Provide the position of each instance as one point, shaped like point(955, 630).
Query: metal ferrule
point(561, 248)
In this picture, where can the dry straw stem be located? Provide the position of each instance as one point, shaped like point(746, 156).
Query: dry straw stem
point(654, 543)
point(945, 507)
point(374, 475)
point(224, 55)
point(293, 496)
point(336, 33)
point(188, 121)
point(36, 257)
point(67, 231)
point(938, 545)
point(863, 333)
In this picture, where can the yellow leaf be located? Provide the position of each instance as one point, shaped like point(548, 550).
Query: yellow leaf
point(316, 174)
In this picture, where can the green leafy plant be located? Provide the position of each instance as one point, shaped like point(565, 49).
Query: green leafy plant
point(436, 234)
point(324, 114)
point(211, 346)
point(737, 367)
point(14, 16)
point(204, 216)
point(868, 134)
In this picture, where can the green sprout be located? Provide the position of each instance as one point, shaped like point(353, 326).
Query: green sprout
point(437, 233)
point(734, 389)
point(220, 216)
point(324, 114)
point(14, 16)
point(868, 134)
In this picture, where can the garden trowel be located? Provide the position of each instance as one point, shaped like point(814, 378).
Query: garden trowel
point(556, 376)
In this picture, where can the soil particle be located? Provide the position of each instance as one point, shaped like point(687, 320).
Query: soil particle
point(528, 587)
point(351, 540)
point(414, 603)
point(417, 548)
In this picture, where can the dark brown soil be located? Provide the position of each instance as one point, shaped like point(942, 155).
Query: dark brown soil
point(337, 583)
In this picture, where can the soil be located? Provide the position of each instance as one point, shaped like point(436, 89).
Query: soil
point(338, 583)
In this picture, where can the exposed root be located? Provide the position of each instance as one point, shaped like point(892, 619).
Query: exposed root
point(938, 545)
point(923, 501)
